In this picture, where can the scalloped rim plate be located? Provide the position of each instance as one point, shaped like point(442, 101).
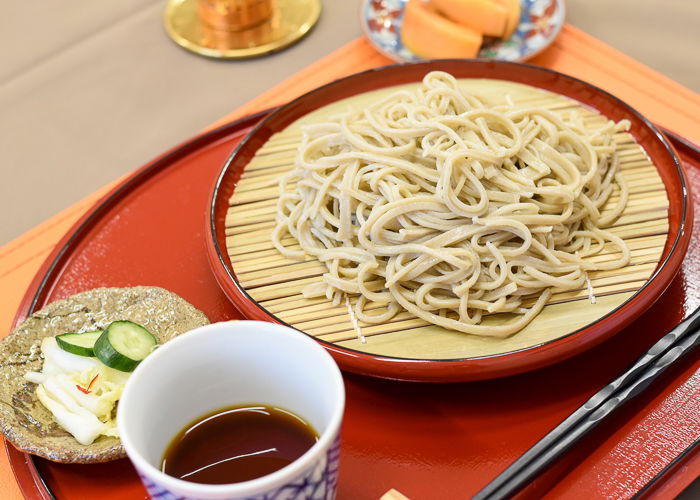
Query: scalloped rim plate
point(540, 23)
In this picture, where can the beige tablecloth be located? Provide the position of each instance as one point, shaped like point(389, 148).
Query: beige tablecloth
point(92, 90)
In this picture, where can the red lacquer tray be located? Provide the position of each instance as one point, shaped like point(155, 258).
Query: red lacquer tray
point(436, 441)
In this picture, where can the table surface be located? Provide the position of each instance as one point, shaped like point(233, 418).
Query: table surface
point(91, 90)
point(89, 97)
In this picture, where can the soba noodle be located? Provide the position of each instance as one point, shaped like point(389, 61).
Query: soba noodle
point(432, 202)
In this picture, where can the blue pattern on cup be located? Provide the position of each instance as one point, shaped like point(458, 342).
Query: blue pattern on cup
point(317, 483)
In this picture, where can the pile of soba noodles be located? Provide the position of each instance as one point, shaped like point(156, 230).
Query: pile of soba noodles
point(432, 202)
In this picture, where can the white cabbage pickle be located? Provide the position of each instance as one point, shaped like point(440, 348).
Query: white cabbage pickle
point(79, 391)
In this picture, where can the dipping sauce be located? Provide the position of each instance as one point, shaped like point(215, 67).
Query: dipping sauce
point(237, 444)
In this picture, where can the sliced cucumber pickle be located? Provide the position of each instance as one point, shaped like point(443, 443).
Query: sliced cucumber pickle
point(81, 344)
point(123, 345)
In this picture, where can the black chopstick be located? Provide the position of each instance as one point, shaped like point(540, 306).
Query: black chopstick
point(668, 350)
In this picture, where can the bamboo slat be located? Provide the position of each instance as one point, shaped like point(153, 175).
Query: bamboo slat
point(277, 282)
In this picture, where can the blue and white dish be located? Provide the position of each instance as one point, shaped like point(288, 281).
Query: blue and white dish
point(540, 23)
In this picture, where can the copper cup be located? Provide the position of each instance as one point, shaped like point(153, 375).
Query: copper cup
point(234, 15)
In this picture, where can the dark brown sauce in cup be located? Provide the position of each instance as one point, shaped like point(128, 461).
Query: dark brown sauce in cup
point(237, 444)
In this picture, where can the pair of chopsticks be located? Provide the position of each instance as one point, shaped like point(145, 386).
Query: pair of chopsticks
point(676, 344)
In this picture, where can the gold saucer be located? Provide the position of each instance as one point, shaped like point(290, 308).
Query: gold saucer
point(291, 20)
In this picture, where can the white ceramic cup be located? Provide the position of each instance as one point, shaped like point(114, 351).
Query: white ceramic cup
point(228, 364)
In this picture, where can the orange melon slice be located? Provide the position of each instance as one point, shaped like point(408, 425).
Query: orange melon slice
point(485, 16)
point(431, 36)
point(513, 9)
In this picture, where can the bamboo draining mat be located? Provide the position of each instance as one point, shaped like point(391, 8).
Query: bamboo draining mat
point(276, 283)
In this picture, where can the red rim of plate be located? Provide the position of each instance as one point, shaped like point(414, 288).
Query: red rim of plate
point(480, 367)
